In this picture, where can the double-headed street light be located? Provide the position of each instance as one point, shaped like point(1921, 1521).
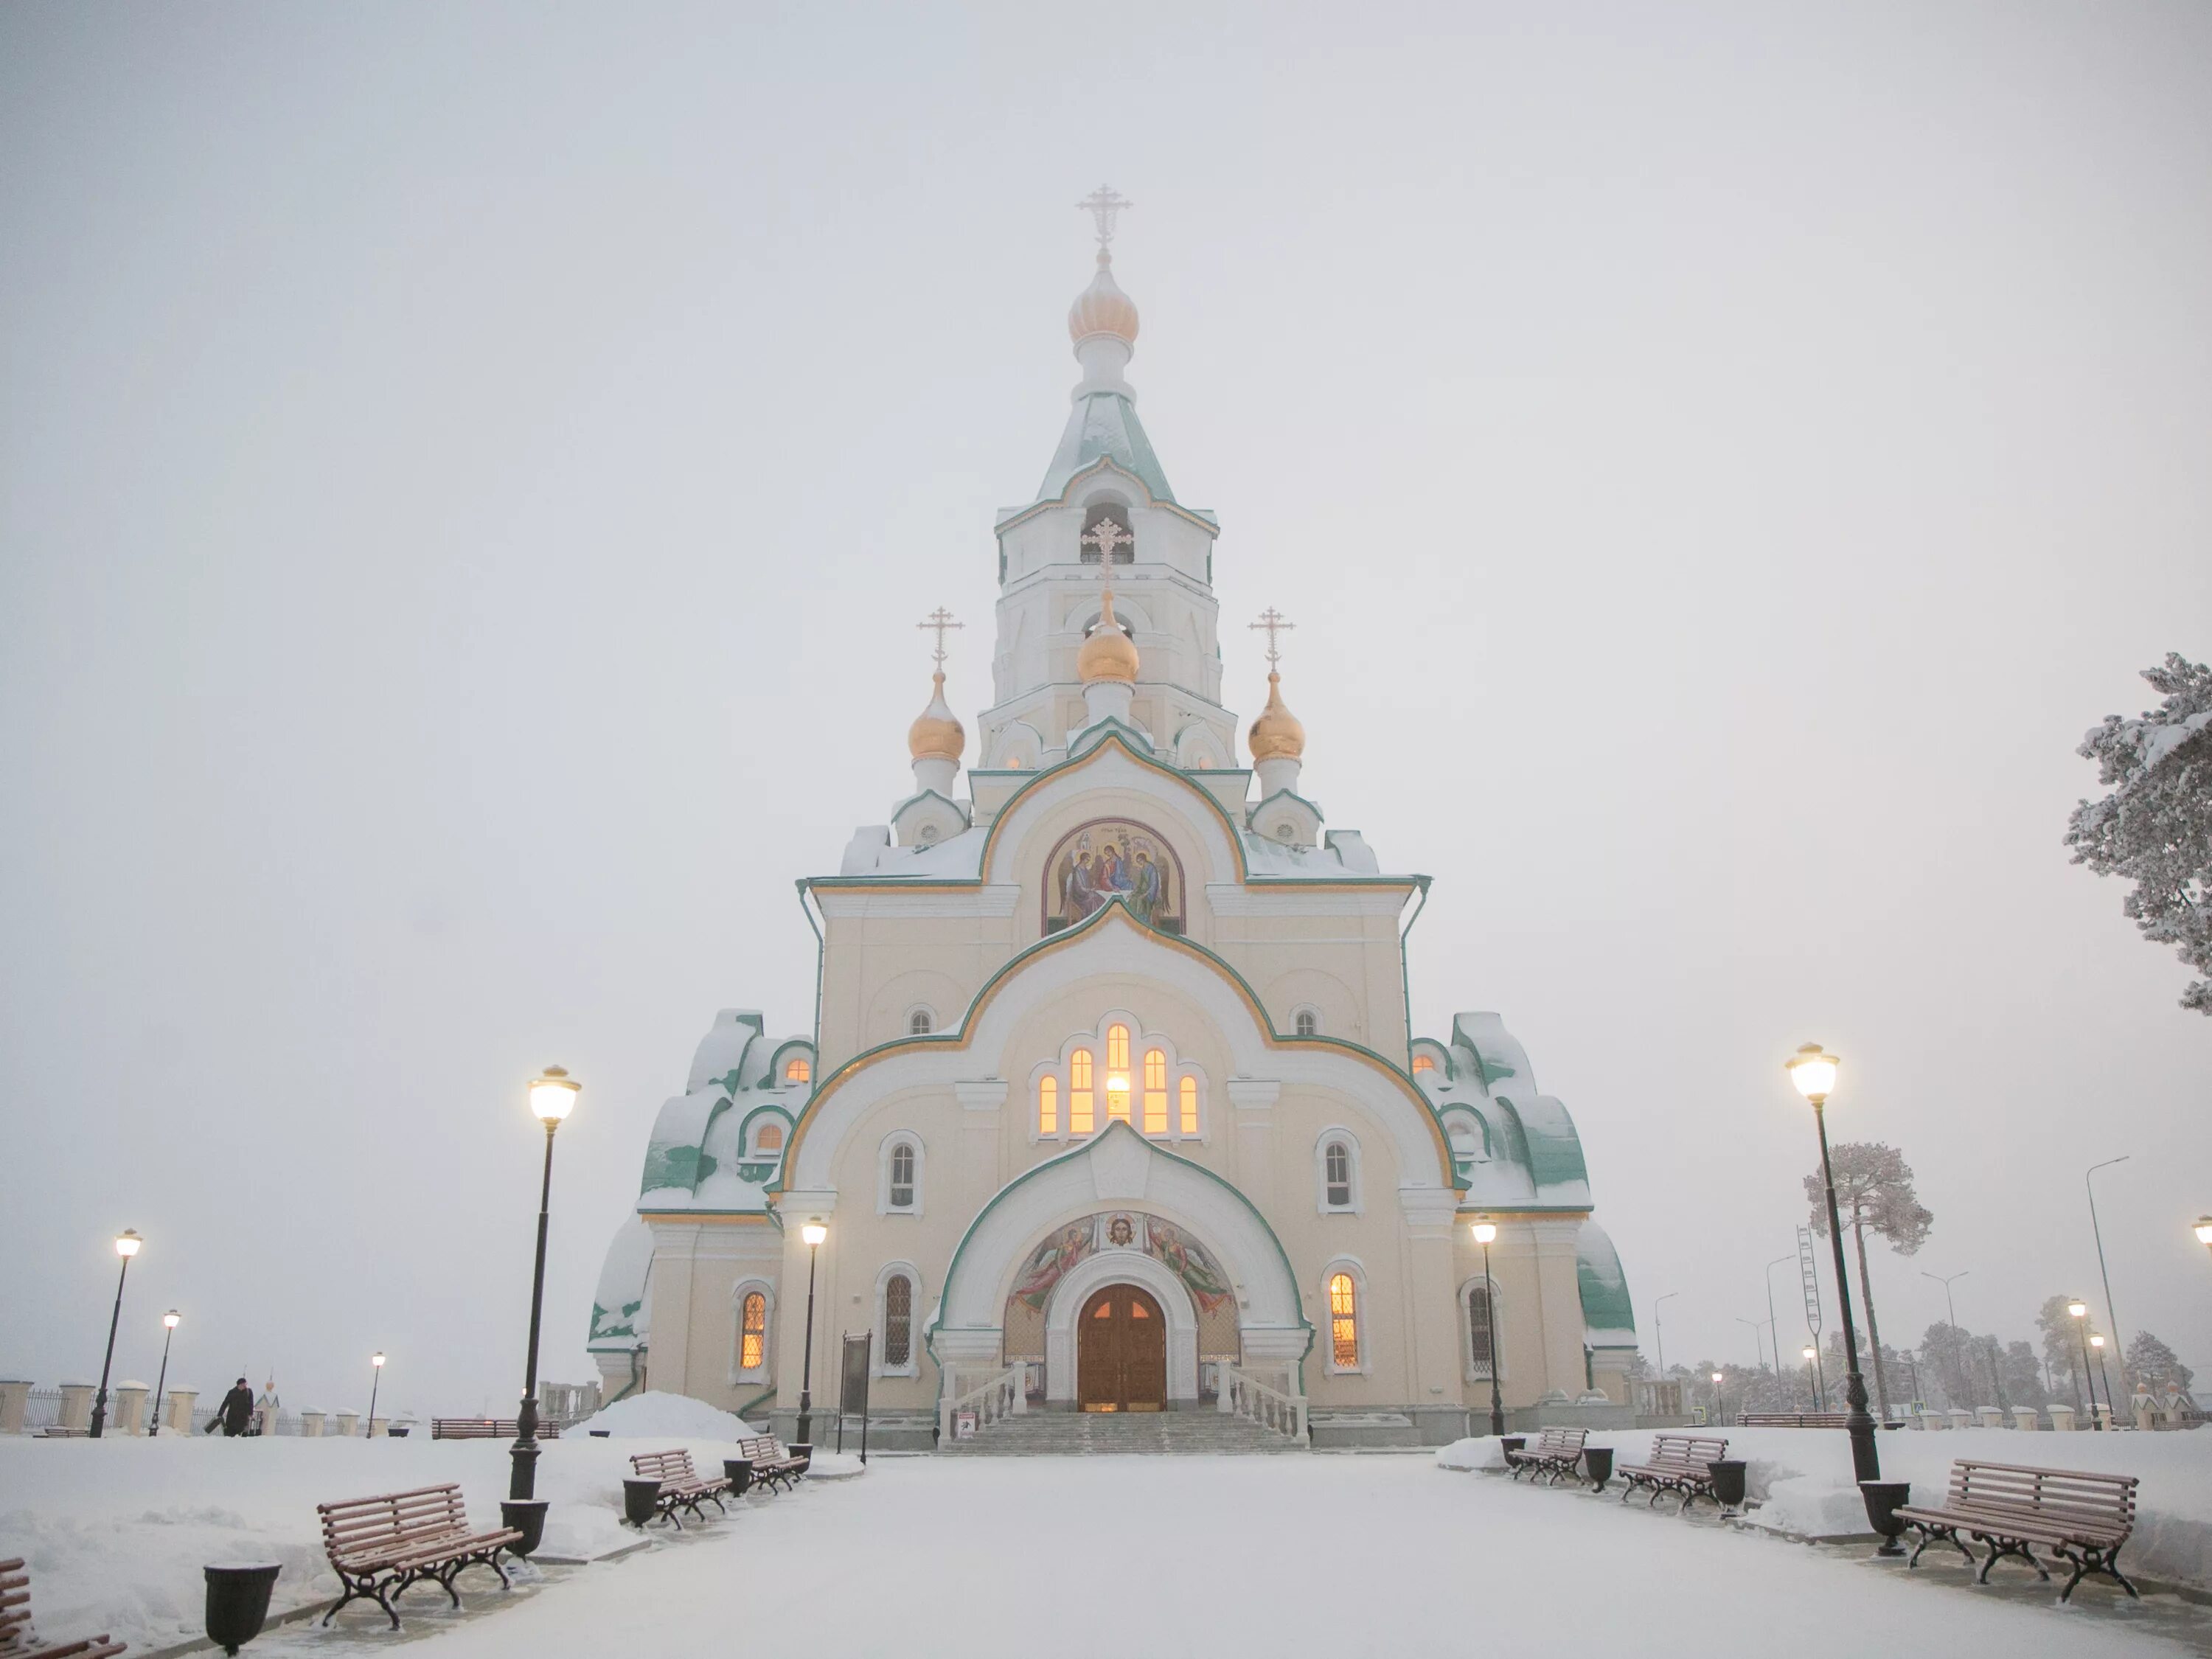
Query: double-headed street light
point(552, 1096)
point(168, 1330)
point(1484, 1230)
point(813, 1232)
point(1814, 1071)
point(2078, 1311)
point(126, 1246)
point(375, 1381)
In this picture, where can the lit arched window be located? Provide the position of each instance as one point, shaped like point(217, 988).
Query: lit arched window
point(1190, 1105)
point(752, 1326)
point(1117, 1073)
point(1425, 1063)
point(800, 1070)
point(898, 1322)
point(901, 1189)
point(1156, 1093)
point(1336, 1164)
point(1343, 1323)
point(769, 1138)
point(1307, 1023)
point(919, 1023)
point(1047, 1104)
point(1480, 1339)
point(1078, 1093)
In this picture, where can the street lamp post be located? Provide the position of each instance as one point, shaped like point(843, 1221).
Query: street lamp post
point(168, 1330)
point(1773, 1330)
point(1813, 1378)
point(552, 1096)
point(2097, 1343)
point(1950, 1309)
point(1485, 1230)
point(1720, 1400)
point(126, 1246)
point(813, 1232)
point(2098, 1233)
point(1659, 1331)
point(375, 1381)
point(1813, 1072)
point(2080, 1312)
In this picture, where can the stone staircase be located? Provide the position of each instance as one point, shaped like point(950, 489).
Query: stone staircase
point(1112, 1434)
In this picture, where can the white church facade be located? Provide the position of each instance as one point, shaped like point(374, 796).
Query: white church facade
point(1111, 1104)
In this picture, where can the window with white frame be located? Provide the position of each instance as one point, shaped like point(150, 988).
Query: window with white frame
point(1344, 1292)
point(767, 1136)
point(1306, 1023)
point(898, 1294)
point(752, 1304)
point(1118, 1072)
point(1336, 1172)
point(920, 1022)
point(899, 1192)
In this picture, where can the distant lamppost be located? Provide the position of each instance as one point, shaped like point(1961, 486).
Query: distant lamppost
point(552, 1096)
point(170, 1330)
point(1773, 1330)
point(1950, 1309)
point(2080, 1312)
point(2097, 1343)
point(1485, 1230)
point(813, 1232)
point(1720, 1400)
point(1813, 1378)
point(126, 1246)
point(1813, 1072)
point(1659, 1331)
point(2089, 1185)
point(375, 1381)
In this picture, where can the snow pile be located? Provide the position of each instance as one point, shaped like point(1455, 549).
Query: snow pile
point(662, 1417)
point(1802, 1479)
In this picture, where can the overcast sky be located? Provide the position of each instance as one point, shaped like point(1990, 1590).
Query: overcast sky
point(469, 475)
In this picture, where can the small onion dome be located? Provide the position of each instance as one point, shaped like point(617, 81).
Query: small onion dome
point(1277, 735)
point(1108, 654)
point(935, 734)
point(1103, 308)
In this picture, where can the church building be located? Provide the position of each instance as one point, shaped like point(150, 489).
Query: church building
point(1112, 1102)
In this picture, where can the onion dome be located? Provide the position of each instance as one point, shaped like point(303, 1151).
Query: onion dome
point(1103, 308)
point(1108, 654)
point(935, 734)
point(1277, 735)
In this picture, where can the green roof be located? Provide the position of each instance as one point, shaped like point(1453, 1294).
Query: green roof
point(1103, 425)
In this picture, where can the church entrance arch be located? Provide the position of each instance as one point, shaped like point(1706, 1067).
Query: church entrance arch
point(1121, 1352)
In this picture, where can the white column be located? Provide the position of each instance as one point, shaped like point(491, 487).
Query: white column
point(15, 1402)
point(130, 1407)
point(77, 1405)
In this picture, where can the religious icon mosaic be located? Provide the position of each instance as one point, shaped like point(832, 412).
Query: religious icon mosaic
point(1165, 1243)
point(1110, 859)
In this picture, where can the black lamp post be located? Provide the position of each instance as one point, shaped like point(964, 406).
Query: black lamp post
point(170, 1330)
point(813, 1232)
point(375, 1381)
point(2080, 1312)
point(2111, 1407)
point(1813, 1379)
point(1814, 1073)
point(552, 1095)
point(1484, 1231)
point(1951, 1309)
point(126, 1246)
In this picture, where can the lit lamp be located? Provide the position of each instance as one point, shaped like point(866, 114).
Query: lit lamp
point(2097, 1343)
point(813, 1232)
point(1813, 1070)
point(2079, 1312)
point(1485, 1230)
point(552, 1096)
point(126, 1246)
point(1812, 1378)
point(2204, 1230)
point(1719, 1404)
point(168, 1329)
point(375, 1381)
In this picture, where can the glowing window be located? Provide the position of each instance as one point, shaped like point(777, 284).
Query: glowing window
point(1479, 1339)
point(1117, 1048)
point(1078, 1093)
point(1156, 1093)
point(918, 1024)
point(752, 1345)
point(1048, 1105)
point(770, 1139)
point(1117, 1095)
point(797, 1071)
point(1424, 1062)
point(1138, 1310)
point(1336, 1164)
point(1105, 1310)
point(901, 1193)
point(898, 1320)
point(1343, 1322)
point(1306, 1024)
point(1190, 1105)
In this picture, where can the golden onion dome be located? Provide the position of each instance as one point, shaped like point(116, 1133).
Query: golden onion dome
point(935, 734)
point(1108, 654)
point(1277, 735)
point(1103, 308)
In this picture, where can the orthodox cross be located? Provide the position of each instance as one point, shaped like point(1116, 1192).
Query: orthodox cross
point(1102, 204)
point(940, 619)
point(1106, 536)
point(1274, 621)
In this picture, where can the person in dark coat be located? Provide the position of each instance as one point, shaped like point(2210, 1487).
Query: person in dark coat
point(236, 1410)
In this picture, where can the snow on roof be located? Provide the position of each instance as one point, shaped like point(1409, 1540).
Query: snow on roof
point(956, 857)
point(1103, 425)
point(622, 1312)
point(696, 1157)
point(1609, 1313)
point(1531, 1156)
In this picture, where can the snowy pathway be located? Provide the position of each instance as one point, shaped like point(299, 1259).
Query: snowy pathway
point(1282, 1556)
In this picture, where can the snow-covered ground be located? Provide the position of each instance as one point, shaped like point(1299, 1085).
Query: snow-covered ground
point(116, 1530)
point(1802, 1479)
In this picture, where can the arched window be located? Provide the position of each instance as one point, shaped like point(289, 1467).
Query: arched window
point(902, 1177)
point(1156, 1093)
point(1078, 1093)
point(799, 1069)
point(1482, 1331)
point(1047, 1104)
point(769, 1138)
point(1125, 546)
point(898, 1190)
point(1424, 1063)
point(1336, 1172)
point(1337, 1162)
point(1343, 1323)
point(1117, 1073)
point(1189, 1096)
point(898, 1322)
point(919, 1023)
point(1308, 1022)
point(753, 1332)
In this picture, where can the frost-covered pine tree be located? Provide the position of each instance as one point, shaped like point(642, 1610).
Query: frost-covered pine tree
point(1874, 1190)
point(2155, 827)
point(2150, 1361)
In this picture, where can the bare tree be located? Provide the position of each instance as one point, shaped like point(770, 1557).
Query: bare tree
point(1874, 1190)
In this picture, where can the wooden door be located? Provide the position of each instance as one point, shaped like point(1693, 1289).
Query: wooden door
point(1122, 1352)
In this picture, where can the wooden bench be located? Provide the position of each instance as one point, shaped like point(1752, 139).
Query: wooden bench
point(1805, 1420)
point(381, 1545)
point(682, 1486)
point(2081, 1517)
point(1679, 1464)
point(16, 1624)
point(485, 1428)
point(772, 1464)
point(1553, 1458)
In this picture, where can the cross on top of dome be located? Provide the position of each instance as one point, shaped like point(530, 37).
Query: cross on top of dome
point(1274, 622)
point(1102, 204)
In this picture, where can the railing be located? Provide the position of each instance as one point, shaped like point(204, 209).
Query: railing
point(1003, 1396)
point(1256, 1402)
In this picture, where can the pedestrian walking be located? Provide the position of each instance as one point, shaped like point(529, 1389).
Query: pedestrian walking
point(236, 1411)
